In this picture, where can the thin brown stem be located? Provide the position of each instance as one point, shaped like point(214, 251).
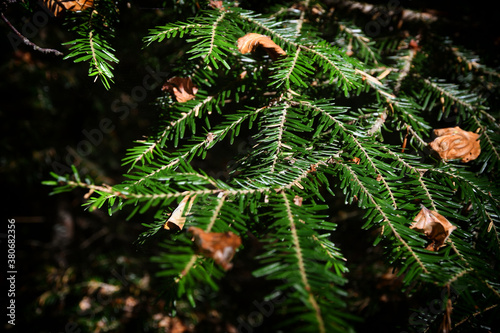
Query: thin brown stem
point(27, 41)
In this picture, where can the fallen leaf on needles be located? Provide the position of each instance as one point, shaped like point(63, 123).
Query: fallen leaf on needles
point(435, 226)
point(220, 246)
point(58, 6)
point(453, 142)
point(298, 200)
point(216, 4)
point(177, 219)
point(182, 88)
point(250, 42)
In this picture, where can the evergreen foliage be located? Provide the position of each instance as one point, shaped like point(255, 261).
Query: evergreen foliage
point(341, 111)
point(96, 29)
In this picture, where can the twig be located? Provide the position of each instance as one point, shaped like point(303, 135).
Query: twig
point(378, 123)
point(28, 42)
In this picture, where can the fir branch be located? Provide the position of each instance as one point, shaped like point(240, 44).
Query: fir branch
point(217, 135)
point(375, 84)
point(359, 146)
point(362, 41)
point(279, 136)
point(419, 173)
point(300, 21)
point(478, 312)
point(385, 218)
point(213, 34)
point(185, 271)
point(377, 126)
point(406, 111)
point(484, 133)
point(94, 57)
point(300, 263)
point(151, 146)
point(468, 263)
point(159, 33)
point(405, 70)
point(467, 179)
point(451, 92)
point(321, 53)
point(95, 27)
point(492, 226)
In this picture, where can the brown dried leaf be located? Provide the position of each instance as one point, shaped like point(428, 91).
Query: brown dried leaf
point(298, 200)
point(250, 42)
point(58, 6)
point(177, 219)
point(433, 225)
point(182, 88)
point(216, 4)
point(220, 246)
point(414, 46)
point(453, 142)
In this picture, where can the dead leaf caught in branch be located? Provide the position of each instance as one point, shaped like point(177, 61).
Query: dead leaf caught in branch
point(177, 219)
point(250, 42)
point(216, 4)
point(59, 6)
point(181, 87)
point(453, 142)
point(220, 246)
point(433, 225)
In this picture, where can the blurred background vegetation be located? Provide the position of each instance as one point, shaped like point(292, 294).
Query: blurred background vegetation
point(81, 270)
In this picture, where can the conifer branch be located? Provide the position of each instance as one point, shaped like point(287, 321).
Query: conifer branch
point(450, 92)
point(359, 146)
point(484, 133)
point(298, 28)
point(419, 174)
point(468, 264)
point(173, 124)
point(279, 136)
point(451, 173)
point(213, 34)
point(319, 53)
point(386, 220)
point(362, 41)
point(300, 263)
point(474, 315)
point(94, 57)
point(160, 33)
point(408, 59)
point(217, 135)
point(492, 226)
point(185, 271)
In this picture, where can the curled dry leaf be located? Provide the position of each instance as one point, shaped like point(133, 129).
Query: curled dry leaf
point(220, 246)
point(177, 219)
point(216, 4)
point(58, 6)
point(433, 225)
point(250, 42)
point(182, 88)
point(414, 46)
point(298, 200)
point(453, 142)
